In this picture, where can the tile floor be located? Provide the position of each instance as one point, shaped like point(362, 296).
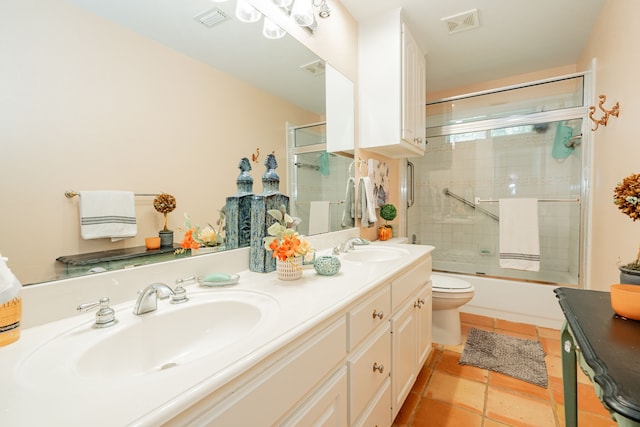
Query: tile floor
point(453, 395)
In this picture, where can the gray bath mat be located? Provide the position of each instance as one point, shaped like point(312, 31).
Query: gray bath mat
point(519, 358)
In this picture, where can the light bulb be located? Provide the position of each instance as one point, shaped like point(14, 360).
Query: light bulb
point(271, 30)
point(247, 13)
point(302, 13)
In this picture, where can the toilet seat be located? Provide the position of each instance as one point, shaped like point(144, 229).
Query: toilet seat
point(446, 284)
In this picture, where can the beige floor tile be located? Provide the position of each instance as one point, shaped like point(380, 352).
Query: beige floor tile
point(433, 413)
point(456, 391)
point(518, 410)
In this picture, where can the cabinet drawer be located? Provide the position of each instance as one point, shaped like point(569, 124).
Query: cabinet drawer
point(291, 377)
point(370, 314)
point(364, 380)
point(408, 283)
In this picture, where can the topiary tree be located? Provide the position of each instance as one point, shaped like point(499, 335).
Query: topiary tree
point(388, 212)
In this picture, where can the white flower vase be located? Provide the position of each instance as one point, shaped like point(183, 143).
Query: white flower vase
point(290, 269)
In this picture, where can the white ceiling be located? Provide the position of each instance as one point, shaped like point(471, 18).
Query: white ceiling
point(514, 37)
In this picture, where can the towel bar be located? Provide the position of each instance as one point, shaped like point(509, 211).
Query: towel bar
point(576, 200)
point(69, 194)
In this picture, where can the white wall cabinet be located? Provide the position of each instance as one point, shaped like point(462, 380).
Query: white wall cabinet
point(354, 369)
point(340, 108)
point(391, 83)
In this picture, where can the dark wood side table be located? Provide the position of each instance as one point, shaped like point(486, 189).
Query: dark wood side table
point(607, 348)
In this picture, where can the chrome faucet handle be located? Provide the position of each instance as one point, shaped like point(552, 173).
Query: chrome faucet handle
point(179, 295)
point(105, 316)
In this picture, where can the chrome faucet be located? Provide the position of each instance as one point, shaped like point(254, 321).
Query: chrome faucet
point(348, 244)
point(148, 297)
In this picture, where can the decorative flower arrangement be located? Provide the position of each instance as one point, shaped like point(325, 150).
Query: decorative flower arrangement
point(283, 240)
point(196, 237)
point(627, 198)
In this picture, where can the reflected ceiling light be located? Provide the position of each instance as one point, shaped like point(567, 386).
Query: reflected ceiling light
point(271, 30)
point(283, 3)
point(324, 11)
point(302, 12)
point(247, 13)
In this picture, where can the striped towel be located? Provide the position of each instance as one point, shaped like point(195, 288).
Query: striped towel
point(519, 240)
point(107, 214)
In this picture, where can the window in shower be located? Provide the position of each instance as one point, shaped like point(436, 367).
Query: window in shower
point(317, 180)
point(491, 158)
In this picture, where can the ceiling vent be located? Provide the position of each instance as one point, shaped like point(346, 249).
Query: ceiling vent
point(316, 67)
point(212, 17)
point(462, 21)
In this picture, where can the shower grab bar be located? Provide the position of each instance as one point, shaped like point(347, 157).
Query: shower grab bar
point(470, 204)
point(411, 173)
point(306, 165)
point(576, 200)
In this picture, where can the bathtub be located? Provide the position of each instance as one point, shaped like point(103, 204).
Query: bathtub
point(512, 300)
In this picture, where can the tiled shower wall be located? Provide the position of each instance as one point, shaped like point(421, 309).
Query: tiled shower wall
point(494, 167)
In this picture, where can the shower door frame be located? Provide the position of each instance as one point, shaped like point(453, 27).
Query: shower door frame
point(580, 112)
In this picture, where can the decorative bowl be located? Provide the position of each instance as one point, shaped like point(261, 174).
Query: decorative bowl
point(327, 265)
point(625, 300)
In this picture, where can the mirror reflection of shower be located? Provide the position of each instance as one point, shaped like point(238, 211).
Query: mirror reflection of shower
point(316, 179)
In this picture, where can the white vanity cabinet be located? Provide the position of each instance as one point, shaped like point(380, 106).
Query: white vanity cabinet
point(391, 83)
point(410, 330)
point(354, 369)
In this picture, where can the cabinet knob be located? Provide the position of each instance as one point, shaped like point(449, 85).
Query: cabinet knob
point(378, 314)
point(376, 367)
point(419, 303)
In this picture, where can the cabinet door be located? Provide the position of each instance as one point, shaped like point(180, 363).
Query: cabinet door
point(340, 106)
point(424, 307)
point(409, 58)
point(403, 354)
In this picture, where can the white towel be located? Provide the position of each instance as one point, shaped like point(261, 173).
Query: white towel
point(318, 217)
point(105, 214)
point(365, 209)
point(349, 213)
point(519, 240)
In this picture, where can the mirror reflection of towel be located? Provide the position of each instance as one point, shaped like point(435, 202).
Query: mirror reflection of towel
point(349, 213)
point(107, 214)
point(366, 208)
point(318, 217)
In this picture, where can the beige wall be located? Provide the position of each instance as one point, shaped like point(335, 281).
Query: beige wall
point(616, 148)
point(88, 105)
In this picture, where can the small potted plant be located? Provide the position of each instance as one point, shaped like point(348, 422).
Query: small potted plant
point(627, 198)
point(165, 203)
point(289, 248)
point(388, 212)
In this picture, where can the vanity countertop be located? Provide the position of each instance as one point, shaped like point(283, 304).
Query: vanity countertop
point(66, 398)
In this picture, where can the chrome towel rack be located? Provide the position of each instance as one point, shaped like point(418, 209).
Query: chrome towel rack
point(574, 200)
point(69, 194)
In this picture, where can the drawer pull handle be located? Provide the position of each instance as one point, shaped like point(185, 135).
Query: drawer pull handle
point(377, 367)
point(419, 303)
point(378, 314)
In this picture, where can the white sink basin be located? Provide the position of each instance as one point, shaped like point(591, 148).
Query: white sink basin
point(374, 254)
point(170, 337)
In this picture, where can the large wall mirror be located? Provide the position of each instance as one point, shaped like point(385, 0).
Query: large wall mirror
point(142, 96)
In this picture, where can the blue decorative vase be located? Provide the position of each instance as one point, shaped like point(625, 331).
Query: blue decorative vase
point(238, 210)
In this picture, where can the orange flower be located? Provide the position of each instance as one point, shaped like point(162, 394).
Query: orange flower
point(188, 242)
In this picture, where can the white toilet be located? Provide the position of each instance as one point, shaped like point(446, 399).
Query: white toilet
point(449, 294)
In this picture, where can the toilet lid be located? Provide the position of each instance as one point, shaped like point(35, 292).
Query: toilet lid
point(451, 284)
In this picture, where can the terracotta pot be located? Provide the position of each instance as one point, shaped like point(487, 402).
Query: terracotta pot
point(385, 233)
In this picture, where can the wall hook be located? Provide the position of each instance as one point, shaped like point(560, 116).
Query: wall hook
point(614, 111)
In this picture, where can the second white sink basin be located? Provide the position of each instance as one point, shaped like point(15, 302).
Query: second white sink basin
point(374, 254)
point(171, 336)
